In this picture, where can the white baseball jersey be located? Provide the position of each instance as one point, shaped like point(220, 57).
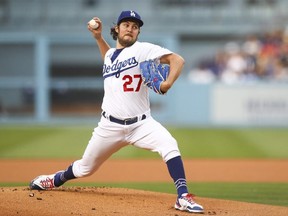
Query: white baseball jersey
point(125, 95)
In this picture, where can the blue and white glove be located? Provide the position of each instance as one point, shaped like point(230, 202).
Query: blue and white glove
point(153, 75)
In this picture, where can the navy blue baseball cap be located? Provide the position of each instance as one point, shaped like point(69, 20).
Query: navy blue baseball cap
point(130, 15)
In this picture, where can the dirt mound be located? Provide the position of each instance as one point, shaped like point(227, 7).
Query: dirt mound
point(105, 201)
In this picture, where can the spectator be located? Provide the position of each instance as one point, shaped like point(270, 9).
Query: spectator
point(262, 57)
point(235, 65)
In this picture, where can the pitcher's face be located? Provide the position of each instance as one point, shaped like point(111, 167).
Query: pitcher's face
point(128, 32)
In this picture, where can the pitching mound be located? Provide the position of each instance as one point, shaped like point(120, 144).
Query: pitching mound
point(115, 201)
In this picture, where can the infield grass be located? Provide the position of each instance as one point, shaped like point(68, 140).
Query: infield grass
point(70, 142)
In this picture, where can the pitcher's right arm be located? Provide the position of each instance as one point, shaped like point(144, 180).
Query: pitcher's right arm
point(97, 34)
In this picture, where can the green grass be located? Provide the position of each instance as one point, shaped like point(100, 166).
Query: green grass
point(43, 141)
point(262, 193)
point(70, 142)
point(233, 143)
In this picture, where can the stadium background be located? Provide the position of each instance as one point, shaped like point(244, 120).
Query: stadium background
point(51, 68)
point(51, 88)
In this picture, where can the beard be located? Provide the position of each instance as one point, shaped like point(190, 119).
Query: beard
point(126, 42)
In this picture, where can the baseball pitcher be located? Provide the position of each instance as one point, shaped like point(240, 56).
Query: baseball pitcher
point(131, 70)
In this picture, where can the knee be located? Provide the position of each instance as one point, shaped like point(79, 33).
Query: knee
point(85, 172)
point(81, 169)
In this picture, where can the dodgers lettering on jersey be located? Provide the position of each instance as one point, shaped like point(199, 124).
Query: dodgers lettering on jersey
point(125, 95)
point(118, 67)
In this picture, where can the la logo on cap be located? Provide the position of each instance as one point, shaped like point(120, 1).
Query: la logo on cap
point(132, 14)
point(129, 14)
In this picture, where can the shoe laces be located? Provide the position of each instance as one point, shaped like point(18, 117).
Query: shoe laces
point(189, 198)
point(47, 183)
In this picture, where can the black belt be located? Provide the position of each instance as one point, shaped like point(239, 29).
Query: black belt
point(127, 121)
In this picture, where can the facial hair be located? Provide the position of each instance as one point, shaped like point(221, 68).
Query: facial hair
point(126, 43)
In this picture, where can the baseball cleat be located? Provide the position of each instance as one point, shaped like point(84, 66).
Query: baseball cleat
point(186, 203)
point(43, 182)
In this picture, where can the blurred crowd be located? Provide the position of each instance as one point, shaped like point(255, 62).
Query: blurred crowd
point(257, 58)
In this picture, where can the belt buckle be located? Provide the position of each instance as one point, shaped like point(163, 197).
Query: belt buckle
point(130, 120)
point(125, 121)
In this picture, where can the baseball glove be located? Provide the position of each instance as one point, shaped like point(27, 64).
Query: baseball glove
point(153, 75)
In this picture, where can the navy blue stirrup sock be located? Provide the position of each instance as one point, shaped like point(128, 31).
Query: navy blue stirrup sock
point(176, 170)
point(61, 177)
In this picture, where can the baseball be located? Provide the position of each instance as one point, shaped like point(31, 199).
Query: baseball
point(93, 24)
